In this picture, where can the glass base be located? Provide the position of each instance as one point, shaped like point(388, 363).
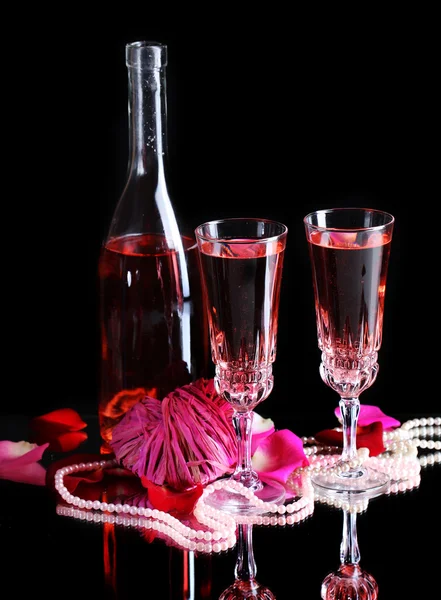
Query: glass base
point(242, 590)
point(351, 583)
point(235, 503)
point(364, 483)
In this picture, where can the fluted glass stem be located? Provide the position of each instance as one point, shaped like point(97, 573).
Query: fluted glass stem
point(349, 551)
point(245, 569)
point(244, 472)
point(350, 409)
point(245, 585)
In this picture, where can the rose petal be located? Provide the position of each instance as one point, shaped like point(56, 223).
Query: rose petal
point(10, 450)
point(148, 535)
point(122, 486)
point(66, 442)
point(342, 238)
point(371, 414)
point(71, 460)
point(331, 437)
point(261, 429)
point(95, 484)
point(163, 498)
point(67, 418)
point(72, 481)
point(51, 426)
point(21, 452)
point(278, 455)
point(370, 436)
point(19, 462)
point(33, 474)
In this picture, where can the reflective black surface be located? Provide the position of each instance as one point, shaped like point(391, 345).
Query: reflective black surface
point(60, 557)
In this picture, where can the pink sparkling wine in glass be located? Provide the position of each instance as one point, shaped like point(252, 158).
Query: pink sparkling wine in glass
point(243, 280)
point(350, 271)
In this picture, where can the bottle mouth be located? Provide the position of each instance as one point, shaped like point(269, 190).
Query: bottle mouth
point(146, 55)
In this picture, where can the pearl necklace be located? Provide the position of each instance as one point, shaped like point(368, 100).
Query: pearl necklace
point(220, 532)
point(400, 442)
point(400, 461)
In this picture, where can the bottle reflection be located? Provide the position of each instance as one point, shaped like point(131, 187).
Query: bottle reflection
point(350, 581)
point(109, 556)
point(245, 585)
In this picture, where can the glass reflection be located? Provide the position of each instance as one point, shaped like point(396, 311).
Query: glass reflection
point(245, 585)
point(349, 581)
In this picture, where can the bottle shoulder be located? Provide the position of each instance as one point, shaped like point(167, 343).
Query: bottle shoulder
point(146, 207)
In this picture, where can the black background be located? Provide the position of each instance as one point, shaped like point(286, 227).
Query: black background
point(270, 119)
point(274, 112)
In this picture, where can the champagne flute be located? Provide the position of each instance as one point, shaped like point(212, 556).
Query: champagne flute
point(245, 586)
point(349, 250)
point(241, 265)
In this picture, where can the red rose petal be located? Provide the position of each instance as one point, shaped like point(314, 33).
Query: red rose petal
point(50, 427)
point(66, 418)
point(163, 498)
point(71, 460)
point(123, 487)
point(371, 414)
point(331, 437)
point(93, 485)
point(148, 535)
point(370, 436)
point(66, 442)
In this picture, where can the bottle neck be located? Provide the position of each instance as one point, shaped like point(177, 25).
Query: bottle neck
point(147, 122)
point(144, 206)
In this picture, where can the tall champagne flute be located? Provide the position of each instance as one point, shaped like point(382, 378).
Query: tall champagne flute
point(349, 251)
point(241, 264)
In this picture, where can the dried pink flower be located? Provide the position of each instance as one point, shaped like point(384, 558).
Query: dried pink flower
point(184, 439)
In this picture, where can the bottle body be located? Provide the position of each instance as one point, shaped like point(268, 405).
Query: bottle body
point(154, 337)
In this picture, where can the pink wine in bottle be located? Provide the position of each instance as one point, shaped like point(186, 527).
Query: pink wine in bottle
point(151, 337)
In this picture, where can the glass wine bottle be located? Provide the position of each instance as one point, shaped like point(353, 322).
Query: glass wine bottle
point(154, 335)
